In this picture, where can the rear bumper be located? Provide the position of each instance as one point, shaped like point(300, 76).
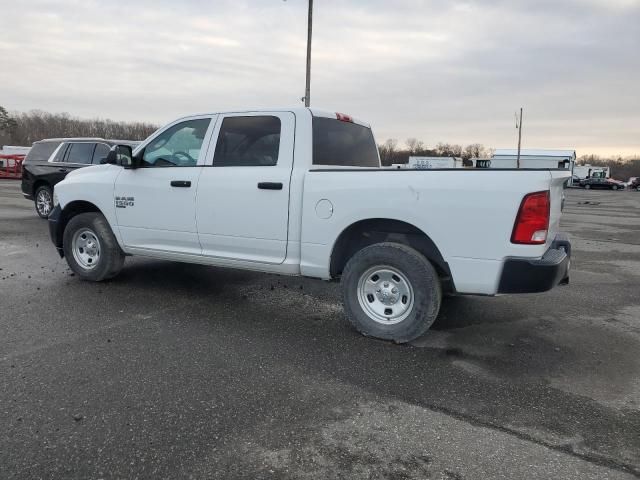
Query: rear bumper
point(521, 275)
point(55, 229)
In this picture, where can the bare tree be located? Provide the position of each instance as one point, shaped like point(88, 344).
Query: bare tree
point(414, 146)
point(387, 151)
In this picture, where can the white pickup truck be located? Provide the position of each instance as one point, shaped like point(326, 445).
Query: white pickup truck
point(301, 192)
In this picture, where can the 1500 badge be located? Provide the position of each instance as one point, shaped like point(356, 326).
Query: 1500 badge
point(124, 202)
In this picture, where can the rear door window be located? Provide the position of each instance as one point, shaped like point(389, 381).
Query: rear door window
point(100, 153)
point(248, 142)
point(40, 152)
point(81, 153)
point(344, 144)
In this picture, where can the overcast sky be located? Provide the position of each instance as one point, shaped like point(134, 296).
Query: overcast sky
point(440, 70)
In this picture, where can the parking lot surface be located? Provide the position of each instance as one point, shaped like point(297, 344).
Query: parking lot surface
point(184, 371)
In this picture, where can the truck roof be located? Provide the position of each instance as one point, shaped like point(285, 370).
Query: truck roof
point(316, 112)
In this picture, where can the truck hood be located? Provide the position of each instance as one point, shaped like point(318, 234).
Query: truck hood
point(92, 170)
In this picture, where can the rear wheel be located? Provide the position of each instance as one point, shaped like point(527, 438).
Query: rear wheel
point(391, 291)
point(638, 188)
point(614, 187)
point(44, 201)
point(90, 247)
point(587, 187)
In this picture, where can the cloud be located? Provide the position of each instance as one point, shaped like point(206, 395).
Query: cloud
point(441, 70)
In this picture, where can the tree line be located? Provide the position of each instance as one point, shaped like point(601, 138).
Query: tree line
point(25, 128)
point(391, 152)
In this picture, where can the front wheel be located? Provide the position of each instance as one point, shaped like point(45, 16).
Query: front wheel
point(614, 187)
point(587, 187)
point(90, 247)
point(391, 291)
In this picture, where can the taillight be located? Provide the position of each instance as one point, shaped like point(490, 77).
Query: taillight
point(532, 222)
point(344, 118)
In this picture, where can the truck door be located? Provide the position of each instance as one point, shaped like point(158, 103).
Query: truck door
point(243, 194)
point(155, 204)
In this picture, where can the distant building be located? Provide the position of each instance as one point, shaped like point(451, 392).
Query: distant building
point(529, 158)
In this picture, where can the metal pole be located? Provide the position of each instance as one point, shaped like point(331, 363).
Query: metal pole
point(519, 138)
point(307, 90)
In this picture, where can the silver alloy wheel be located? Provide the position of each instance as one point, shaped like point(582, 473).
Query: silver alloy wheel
point(44, 202)
point(385, 294)
point(86, 248)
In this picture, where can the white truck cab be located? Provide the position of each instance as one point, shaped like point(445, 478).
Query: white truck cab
point(300, 191)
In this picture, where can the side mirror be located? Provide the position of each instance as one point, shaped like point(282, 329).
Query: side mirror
point(121, 155)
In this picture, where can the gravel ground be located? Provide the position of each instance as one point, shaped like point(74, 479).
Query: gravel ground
point(183, 371)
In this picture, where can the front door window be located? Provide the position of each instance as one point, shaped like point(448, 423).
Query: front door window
point(178, 146)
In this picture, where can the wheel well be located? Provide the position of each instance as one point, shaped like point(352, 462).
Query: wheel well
point(39, 184)
point(73, 209)
point(376, 230)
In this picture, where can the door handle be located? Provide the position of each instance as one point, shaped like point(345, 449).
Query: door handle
point(180, 183)
point(62, 170)
point(270, 185)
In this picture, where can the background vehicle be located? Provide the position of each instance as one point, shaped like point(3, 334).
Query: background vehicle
point(595, 182)
point(230, 189)
point(634, 183)
point(50, 160)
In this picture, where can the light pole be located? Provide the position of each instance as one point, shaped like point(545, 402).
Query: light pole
point(307, 88)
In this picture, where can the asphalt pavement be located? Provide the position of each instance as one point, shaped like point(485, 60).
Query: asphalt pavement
point(182, 371)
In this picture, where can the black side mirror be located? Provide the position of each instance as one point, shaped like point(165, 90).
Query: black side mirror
point(121, 155)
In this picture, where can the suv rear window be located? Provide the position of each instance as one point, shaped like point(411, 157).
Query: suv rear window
point(343, 144)
point(41, 151)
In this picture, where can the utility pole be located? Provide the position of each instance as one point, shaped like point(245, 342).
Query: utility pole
point(519, 127)
point(307, 90)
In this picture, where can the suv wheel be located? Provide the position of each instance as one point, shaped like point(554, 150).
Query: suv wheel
point(90, 247)
point(391, 291)
point(44, 201)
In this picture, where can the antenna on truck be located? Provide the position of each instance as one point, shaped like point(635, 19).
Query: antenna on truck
point(519, 127)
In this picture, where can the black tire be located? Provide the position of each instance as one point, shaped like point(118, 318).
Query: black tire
point(614, 187)
point(587, 187)
point(423, 280)
point(43, 200)
point(110, 258)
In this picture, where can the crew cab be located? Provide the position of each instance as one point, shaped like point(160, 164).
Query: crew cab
point(301, 191)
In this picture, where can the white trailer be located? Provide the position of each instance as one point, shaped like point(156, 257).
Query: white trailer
point(530, 158)
point(425, 163)
point(587, 171)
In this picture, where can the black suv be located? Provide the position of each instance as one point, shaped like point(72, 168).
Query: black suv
point(50, 160)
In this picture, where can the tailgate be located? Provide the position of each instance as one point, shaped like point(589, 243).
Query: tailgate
point(556, 188)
